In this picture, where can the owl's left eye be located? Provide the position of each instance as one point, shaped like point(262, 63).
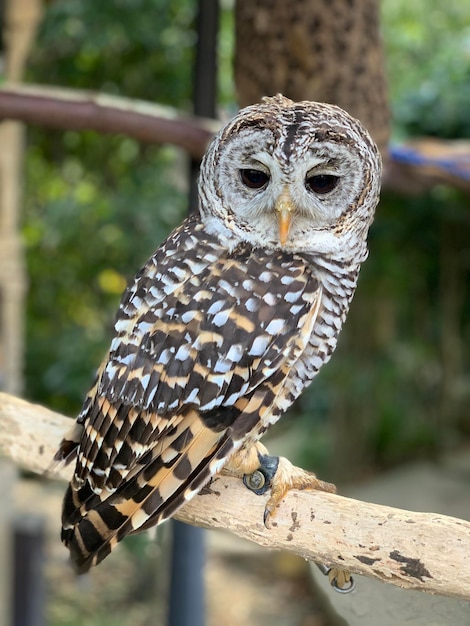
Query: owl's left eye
point(254, 179)
point(322, 183)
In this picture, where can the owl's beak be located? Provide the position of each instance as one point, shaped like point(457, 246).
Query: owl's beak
point(283, 209)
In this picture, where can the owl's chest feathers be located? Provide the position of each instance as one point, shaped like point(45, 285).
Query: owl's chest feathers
point(338, 282)
point(271, 272)
point(249, 299)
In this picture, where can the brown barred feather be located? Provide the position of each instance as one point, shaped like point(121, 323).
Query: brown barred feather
point(198, 351)
point(226, 323)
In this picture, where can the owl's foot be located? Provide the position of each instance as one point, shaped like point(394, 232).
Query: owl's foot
point(280, 476)
point(340, 579)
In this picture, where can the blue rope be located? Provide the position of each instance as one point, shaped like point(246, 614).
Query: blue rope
point(458, 166)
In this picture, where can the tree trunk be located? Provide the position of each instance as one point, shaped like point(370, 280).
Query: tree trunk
point(328, 51)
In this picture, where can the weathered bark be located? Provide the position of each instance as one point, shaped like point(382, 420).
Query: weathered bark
point(411, 550)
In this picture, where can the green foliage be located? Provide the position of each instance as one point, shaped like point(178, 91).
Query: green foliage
point(84, 239)
point(427, 45)
point(138, 48)
point(96, 206)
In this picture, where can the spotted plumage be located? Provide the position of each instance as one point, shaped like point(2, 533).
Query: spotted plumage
point(226, 323)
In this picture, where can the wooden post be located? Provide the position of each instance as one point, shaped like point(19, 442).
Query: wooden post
point(21, 20)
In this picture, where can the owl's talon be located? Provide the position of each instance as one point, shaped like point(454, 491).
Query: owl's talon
point(289, 477)
point(340, 580)
point(348, 587)
point(279, 475)
point(269, 512)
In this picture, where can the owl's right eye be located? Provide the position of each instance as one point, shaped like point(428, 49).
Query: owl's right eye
point(254, 179)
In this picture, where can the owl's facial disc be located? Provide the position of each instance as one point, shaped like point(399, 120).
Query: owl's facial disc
point(279, 198)
point(278, 184)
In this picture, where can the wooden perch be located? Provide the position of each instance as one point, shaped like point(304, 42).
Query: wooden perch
point(69, 109)
point(412, 550)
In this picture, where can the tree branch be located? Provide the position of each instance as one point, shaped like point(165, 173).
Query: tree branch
point(411, 550)
point(69, 109)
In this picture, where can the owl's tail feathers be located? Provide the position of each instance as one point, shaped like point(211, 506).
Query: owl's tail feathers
point(98, 531)
point(93, 524)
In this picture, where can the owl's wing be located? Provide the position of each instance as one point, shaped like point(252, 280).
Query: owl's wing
point(202, 352)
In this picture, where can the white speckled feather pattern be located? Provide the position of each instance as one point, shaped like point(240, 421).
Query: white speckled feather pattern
point(224, 326)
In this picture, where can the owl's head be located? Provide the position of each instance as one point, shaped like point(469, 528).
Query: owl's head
point(302, 176)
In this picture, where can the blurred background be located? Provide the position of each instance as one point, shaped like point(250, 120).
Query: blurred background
point(95, 206)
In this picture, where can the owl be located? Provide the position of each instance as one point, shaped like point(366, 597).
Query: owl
point(225, 325)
